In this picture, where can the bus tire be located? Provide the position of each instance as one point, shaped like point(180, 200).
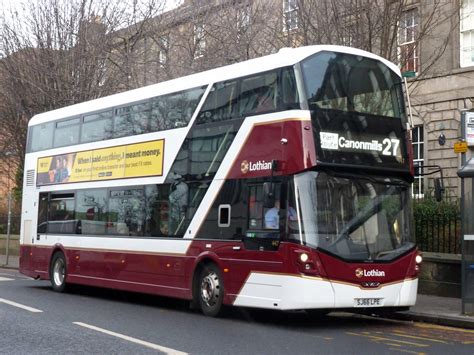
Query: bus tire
point(58, 272)
point(211, 290)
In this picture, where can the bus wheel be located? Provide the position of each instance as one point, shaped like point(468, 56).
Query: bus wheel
point(57, 272)
point(211, 290)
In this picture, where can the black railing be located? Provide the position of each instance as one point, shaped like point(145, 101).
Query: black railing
point(438, 233)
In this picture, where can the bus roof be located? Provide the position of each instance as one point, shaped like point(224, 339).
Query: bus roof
point(285, 57)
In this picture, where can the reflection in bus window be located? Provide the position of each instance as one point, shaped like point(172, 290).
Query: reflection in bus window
point(91, 211)
point(259, 94)
point(96, 127)
point(42, 136)
point(126, 212)
point(61, 214)
point(67, 132)
point(132, 120)
point(220, 104)
point(175, 110)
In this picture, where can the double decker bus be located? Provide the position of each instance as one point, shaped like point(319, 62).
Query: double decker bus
point(281, 182)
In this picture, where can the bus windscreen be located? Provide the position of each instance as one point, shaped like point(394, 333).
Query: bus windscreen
point(357, 111)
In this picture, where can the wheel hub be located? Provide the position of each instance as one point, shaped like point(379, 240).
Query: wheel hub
point(58, 272)
point(210, 289)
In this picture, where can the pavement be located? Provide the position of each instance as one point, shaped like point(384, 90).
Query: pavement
point(429, 309)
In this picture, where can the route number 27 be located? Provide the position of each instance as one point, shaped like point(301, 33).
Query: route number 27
point(390, 146)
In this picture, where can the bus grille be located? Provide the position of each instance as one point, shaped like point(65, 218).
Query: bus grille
point(30, 177)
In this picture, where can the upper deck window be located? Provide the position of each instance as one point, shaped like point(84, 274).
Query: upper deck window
point(151, 115)
point(42, 136)
point(352, 84)
point(66, 132)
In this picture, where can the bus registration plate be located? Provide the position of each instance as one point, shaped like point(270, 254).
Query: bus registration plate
point(368, 302)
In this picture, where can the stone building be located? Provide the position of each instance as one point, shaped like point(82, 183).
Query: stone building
point(429, 39)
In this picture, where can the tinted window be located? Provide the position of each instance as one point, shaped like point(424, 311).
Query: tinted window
point(132, 120)
point(352, 83)
point(67, 132)
point(175, 110)
point(259, 94)
point(126, 212)
point(42, 136)
point(91, 210)
point(61, 214)
point(220, 103)
point(97, 126)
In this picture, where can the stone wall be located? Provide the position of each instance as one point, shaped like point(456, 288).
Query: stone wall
point(440, 275)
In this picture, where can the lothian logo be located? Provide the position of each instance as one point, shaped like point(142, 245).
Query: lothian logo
point(247, 166)
point(374, 273)
point(244, 167)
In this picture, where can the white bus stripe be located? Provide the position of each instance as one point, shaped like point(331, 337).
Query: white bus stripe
point(26, 308)
point(133, 340)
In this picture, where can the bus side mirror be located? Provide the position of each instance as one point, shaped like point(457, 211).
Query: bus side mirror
point(268, 195)
point(438, 189)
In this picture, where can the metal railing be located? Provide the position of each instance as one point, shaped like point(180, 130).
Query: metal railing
point(439, 233)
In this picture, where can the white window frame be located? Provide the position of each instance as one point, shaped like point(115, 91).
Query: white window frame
point(418, 151)
point(466, 35)
point(290, 15)
point(407, 36)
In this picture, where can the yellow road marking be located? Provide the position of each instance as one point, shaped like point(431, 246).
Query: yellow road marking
point(392, 344)
point(408, 351)
point(442, 327)
point(377, 338)
point(420, 338)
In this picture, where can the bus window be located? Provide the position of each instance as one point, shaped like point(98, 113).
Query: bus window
point(67, 132)
point(126, 212)
point(97, 126)
point(290, 98)
point(61, 214)
point(261, 217)
point(43, 212)
point(220, 104)
point(91, 210)
point(131, 120)
point(175, 110)
point(42, 136)
point(259, 94)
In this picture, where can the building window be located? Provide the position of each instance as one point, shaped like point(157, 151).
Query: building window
point(199, 41)
point(243, 20)
point(290, 15)
point(467, 33)
point(407, 37)
point(418, 160)
point(163, 54)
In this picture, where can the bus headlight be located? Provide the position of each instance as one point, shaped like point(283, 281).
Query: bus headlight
point(418, 259)
point(304, 257)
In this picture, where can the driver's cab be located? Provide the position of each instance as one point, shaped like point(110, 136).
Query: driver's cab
point(270, 214)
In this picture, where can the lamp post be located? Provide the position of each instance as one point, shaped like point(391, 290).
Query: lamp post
point(7, 155)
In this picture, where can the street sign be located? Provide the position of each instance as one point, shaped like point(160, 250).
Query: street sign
point(460, 147)
point(409, 74)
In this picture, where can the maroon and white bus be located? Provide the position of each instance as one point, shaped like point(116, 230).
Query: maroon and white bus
point(281, 182)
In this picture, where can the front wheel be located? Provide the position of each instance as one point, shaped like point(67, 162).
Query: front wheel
point(211, 290)
point(57, 272)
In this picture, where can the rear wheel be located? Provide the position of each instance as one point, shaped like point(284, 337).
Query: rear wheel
point(211, 290)
point(58, 272)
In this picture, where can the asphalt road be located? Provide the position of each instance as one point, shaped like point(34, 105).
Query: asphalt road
point(34, 319)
